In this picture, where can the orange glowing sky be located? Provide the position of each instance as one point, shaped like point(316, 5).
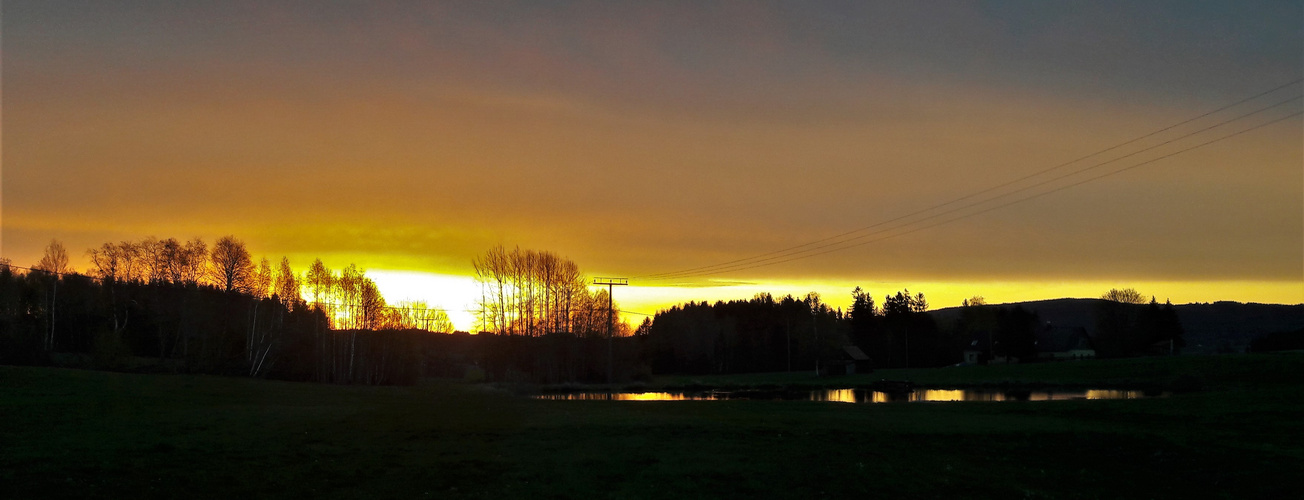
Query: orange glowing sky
point(646, 137)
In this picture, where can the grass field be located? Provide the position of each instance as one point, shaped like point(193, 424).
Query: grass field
point(85, 434)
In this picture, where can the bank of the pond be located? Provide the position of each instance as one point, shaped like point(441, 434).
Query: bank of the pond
point(862, 395)
point(1178, 374)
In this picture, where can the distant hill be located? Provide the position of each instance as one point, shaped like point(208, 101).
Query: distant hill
point(1216, 327)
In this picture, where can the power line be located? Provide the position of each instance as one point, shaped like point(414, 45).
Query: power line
point(782, 255)
point(971, 205)
point(804, 255)
point(779, 254)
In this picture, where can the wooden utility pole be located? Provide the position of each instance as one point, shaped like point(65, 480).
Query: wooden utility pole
point(611, 316)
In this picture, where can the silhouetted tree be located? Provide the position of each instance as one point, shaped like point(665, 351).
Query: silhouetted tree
point(524, 292)
point(1159, 329)
point(194, 261)
point(865, 322)
point(231, 266)
point(1124, 296)
point(740, 336)
point(55, 259)
point(286, 285)
point(911, 337)
point(419, 315)
point(261, 282)
point(54, 264)
point(1126, 325)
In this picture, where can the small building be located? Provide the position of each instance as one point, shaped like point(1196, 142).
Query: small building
point(851, 360)
point(979, 351)
point(1064, 342)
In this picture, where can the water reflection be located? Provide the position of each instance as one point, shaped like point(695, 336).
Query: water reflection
point(858, 395)
point(837, 395)
point(630, 396)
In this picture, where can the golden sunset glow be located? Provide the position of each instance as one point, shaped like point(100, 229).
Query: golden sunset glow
point(643, 139)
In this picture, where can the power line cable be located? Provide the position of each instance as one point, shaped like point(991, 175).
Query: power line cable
point(971, 205)
point(841, 238)
point(989, 209)
point(778, 254)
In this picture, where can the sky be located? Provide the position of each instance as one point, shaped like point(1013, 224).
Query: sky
point(646, 138)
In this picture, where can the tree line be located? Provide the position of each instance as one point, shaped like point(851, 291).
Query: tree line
point(1128, 325)
point(194, 308)
point(758, 335)
point(208, 310)
point(794, 334)
point(791, 334)
point(214, 310)
point(533, 293)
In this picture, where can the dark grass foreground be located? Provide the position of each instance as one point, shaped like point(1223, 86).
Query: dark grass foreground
point(84, 434)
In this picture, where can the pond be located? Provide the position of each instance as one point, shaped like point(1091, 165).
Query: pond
point(859, 395)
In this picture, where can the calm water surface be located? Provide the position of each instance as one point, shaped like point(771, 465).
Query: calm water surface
point(856, 395)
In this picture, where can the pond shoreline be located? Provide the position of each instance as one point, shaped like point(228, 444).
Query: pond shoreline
point(862, 395)
point(794, 387)
point(1175, 374)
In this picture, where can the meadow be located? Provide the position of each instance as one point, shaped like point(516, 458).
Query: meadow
point(88, 434)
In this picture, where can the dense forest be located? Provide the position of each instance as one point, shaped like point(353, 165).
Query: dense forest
point(185, 307)
point(172, 306)
point(768, 334)
point(204, 310)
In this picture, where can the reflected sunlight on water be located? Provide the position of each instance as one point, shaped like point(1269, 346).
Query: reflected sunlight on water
point(836, 395)
point(857, 395)
point(1114, 394)
point(937, 395)
point(629, 396)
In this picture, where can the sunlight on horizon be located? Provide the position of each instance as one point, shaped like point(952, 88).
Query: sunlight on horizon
point(458, 295)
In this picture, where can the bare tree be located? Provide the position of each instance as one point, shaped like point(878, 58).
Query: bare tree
point(173, 256)
point(262, 279)
point(1124, 296)
point(321, 280)
point(107, 260)
point(55, 259)
point(348, 291)
point(371, 305)
point(54, 262)
point(286, 286)
point(194, 262)
point(419, 315)
point(152, 258)
point(231, 267)
point(133, 269)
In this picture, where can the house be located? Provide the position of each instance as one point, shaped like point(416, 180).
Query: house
point(851, 360)
point(1064, 342)
point(979, 351)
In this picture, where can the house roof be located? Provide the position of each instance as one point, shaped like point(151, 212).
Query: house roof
point(855, 353)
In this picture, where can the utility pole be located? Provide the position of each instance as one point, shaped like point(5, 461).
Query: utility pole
point(611, 317)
